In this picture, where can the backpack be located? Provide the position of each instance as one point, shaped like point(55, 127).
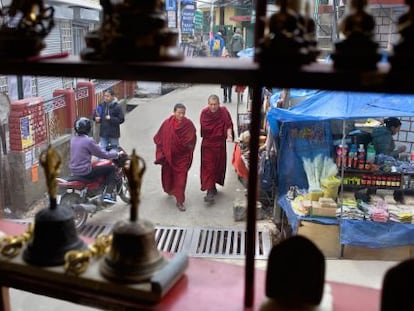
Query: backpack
point(216, 45)
point(236, 44)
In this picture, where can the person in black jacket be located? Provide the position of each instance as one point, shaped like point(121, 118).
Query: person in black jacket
point(382, 138)
point(110, 116)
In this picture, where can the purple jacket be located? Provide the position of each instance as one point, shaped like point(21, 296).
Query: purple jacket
point(82, 148)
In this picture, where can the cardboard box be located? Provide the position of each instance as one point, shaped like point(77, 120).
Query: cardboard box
point(320, 211)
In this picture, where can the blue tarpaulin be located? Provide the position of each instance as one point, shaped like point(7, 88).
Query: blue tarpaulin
point(376, 234)
point(333, 105)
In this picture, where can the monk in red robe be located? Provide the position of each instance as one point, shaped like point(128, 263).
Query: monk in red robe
point(216, 129)
point(175, 142)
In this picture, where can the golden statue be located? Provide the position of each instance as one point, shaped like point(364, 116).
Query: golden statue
point(134, 172)
point(51, 160)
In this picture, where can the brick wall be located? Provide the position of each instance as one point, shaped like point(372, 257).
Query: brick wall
point(27, 123)
point(406, 134)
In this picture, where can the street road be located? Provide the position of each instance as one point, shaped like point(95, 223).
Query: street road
point(156, 206)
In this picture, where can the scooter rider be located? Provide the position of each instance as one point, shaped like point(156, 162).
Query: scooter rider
point(82, 148)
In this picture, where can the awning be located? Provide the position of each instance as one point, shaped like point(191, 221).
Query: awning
point(241, 18)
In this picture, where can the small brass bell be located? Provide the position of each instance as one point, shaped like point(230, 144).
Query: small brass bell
point(133, 256)
point(54, 229)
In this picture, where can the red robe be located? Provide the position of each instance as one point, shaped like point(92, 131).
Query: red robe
point(214, 128)
point(175, 142)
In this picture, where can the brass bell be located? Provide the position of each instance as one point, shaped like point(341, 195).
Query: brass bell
point(54, 228)
point(133, 256)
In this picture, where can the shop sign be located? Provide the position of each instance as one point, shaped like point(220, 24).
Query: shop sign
point(198, 19)
point(187, 20)
point(172, 19)
point(170, 5)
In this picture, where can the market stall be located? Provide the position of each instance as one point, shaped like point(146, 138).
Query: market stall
point(304, 131)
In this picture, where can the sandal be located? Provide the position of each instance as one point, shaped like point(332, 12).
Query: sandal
point(180, 206)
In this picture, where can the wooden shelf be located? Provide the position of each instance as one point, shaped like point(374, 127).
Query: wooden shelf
point(190, 70)
point(218, 70)
point(89, 288)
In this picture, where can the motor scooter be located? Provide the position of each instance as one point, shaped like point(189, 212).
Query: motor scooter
point(86, 196)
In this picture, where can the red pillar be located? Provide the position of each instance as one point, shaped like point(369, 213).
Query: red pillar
point(70, 105)
point(91, 93)
point(27, 123)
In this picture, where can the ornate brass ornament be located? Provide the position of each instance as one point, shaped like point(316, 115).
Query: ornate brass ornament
point(24, 25)
point(291, 38)
point(76, 262)
point(54, 230)
point(12, 245)
point(133, 256)
point(134, 31)
point(358, 51)
point(402, 57)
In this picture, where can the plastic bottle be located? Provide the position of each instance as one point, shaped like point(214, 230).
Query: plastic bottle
point(339, 151)
point(371, 154)
point(352, 154)
point(361, 157)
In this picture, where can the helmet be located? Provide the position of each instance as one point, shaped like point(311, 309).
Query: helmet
point(83, 126)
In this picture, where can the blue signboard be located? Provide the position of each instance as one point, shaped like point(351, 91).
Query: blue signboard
point(170, 5)
point(187, 20)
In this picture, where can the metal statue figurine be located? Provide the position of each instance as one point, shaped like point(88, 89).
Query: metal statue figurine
point(291, 37)
point(402, 57)
point(25, 23)
point(133, 31)
point(358, 51)
point(134, 173)
point(51, 160)
point(133, 256)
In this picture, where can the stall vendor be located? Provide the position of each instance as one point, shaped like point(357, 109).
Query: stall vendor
point(382, 138)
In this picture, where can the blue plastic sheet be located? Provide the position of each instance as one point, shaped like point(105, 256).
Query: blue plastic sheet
point(375, 234)
point(298, 140)
point(294, 218)
point(334, 105)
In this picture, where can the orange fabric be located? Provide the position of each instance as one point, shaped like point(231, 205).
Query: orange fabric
point(238, 163)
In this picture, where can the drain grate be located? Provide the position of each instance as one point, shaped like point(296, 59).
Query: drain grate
point(196, 242)
point(199, 241)
point(227, 243)
point(171, 239)
point(92, 231)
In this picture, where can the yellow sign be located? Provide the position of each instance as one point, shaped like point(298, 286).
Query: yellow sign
point(26, 132)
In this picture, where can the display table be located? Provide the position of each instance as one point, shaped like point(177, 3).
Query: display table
point(294, 219)
point(207, 284)
point(374, 234)
point(360, 233)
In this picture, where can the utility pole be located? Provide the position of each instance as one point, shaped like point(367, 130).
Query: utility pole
point(179, 21)
point(335, 31)
point(211, 18)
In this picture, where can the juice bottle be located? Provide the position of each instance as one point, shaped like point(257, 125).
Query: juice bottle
point(352, 155)
point(371, 154)
point(361, 157)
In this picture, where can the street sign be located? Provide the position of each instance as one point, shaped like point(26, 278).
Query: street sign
point(253, 17)
point(170, 5)
point(198, 19)
point(187, 20)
